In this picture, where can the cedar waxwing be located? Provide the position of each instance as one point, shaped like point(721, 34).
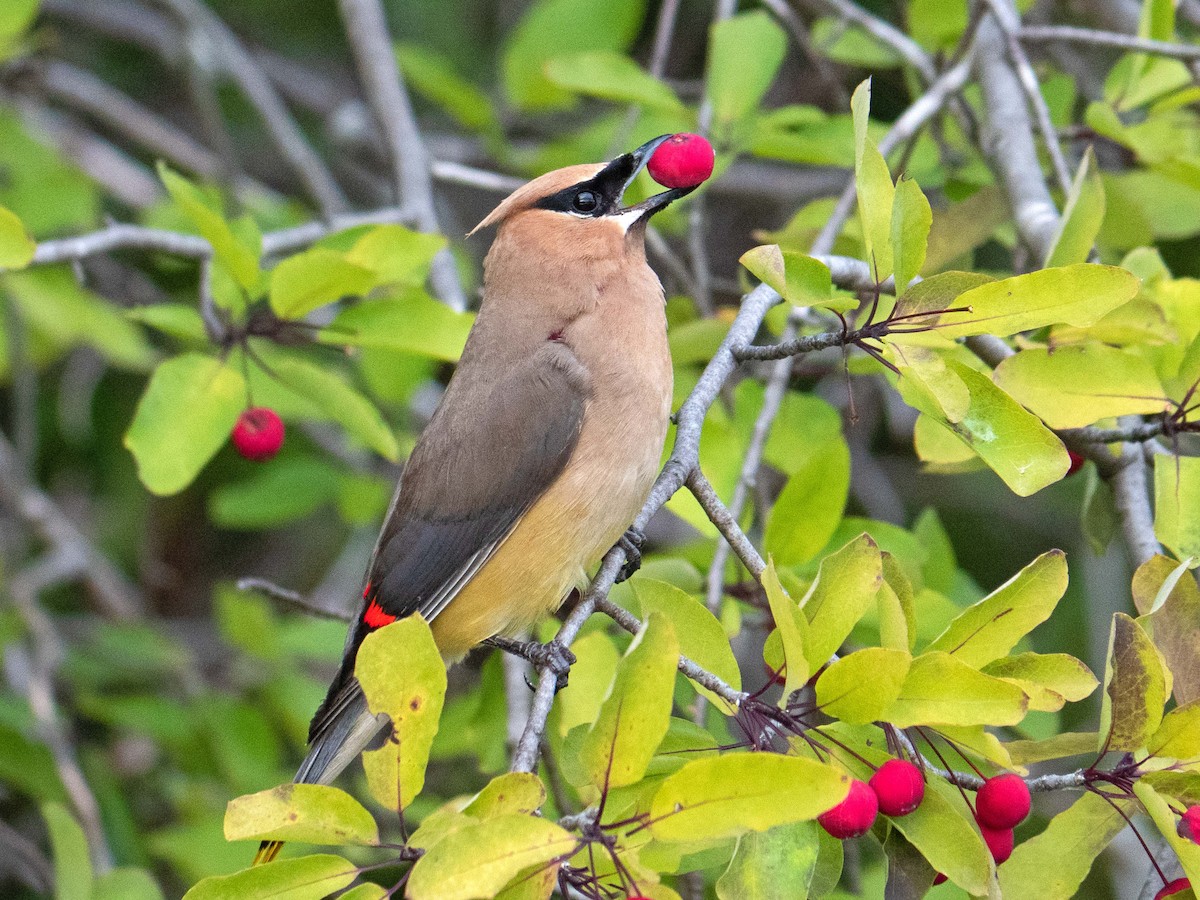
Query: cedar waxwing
point(545, 444)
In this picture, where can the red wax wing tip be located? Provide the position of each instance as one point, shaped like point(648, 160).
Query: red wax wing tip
point(939, 878)
point(1077, 462)
point(258, 434)
point(1178, 886)
point(682, 160)
point(375, 617)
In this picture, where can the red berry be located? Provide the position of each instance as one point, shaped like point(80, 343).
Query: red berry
point(1077, 462)
point(855, 815)
point(1173, 887)
point(1003, 802)
point(682, 160)
point(939, 878)
point(899, 787)
point(1189, 824)
point(258, 434)
point(999, 841)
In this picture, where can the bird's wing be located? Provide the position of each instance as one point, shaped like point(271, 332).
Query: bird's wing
point(475, 472)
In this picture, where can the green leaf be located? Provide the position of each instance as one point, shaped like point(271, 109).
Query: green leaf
point(1060, 746)
point(327, 390)
point(611, 76)
point(1049, 680)
point(701, 637)
point(990, 628)
point(1081, 218)
point(1012, 441)
point(395, 254)
point(288, 489)
point(809, 507)
point(724, 796)
point(174, 319)
point(791, 626)
point(737, 81)
point(1076, 386)
point(861, 685)
point(309, 813)
point(412, 322)
point(1167, 821)
point(1078, 295)
point(72, 860)
point(951, 844)
point(876, 193)
point(304, 878)
point(402, 676)
point(239, 253)
point(309, 280)
point(1054, 863)
point(1178, 737)
point(911, 221)
point(127, 883)
point(942, 690)
point(797, 277)
point(844, 590)
point(434, 77)
point(553, 28)
point(591, 676)
point(478, 860)
point(1177, 504)
point(636, 713)
point(508, 794)
point(16, 246)
point(776, 864)
point(184, 417)
point(852, 45)
point(1135, 688)
point(16, 16)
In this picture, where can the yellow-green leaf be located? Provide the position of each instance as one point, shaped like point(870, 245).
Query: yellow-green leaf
point(942, 690)
point(475, 862)
point(797, 277)
point(791, 625)
point(16, 246)
point(776, 864)
point(911, 220)
point(304, 878)
point(724, 796)
point(1049, 679)
point(184, 417)
point(1166, 820)
point(412, 322)
point(1077, 295)
point(72, 861)
point(1177, 504)
point(989, 629)
point(809, 508)
point(637, 711)
point(876, 193)
point(310, 813)
point(1082, 216)
point(1178, 737)
point(1075, 386)
point(308, 280)
point(861, 685)
point(395, 254)
point(845, 588)
point(591, 676)
point(1135, 688)
point(240, 254)
point(951, 844)
point(611, 76)
point(508, 794)
point(736, 80)
point(402, 676)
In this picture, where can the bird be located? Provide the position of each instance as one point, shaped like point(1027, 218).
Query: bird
point(542, 450)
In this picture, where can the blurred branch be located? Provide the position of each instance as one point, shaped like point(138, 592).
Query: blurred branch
point(23, 860)
point(883, 31)
point(367, 32)
point(1043, 34)
point(289, 599)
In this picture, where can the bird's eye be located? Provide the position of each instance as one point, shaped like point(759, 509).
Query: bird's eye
point(586, 202)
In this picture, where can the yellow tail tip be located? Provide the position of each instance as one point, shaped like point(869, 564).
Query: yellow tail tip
point(267, 851)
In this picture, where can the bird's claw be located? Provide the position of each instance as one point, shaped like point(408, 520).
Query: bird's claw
point(553, 657)
point(631, 542)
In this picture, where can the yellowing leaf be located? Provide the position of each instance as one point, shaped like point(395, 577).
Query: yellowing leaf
point(475, 862)
point(1177, 504)
point(513, 792)
point(942, 690)
point(1178, 737)
point(1077, 295)
point(1135, 688)
point(724, 796)
point(1075, 386)
point(402, 676)
point(304, 878)
point(412, 322)
point(311, 813)
point(951, 844)
point(636, 713)
point(990, 628)
point(911, 220)
point(797, 277)
point(239, 254)
point(1166, 820)
point(1082, 216)
point(844, 590)
point(591, 676)
point(16, 246)
point(861, 685)
point(790, 625)
point(309, 280)
point(184, 417)
point(876, 193)
point(1048, 679)
point(777, 864)
point(1175, 626)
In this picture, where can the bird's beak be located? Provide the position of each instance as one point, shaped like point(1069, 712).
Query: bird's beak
point(625, 168)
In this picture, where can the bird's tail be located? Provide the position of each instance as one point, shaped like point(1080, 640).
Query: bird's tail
point(342, 728)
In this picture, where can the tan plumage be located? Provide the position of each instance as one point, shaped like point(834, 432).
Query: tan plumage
point(544, 446)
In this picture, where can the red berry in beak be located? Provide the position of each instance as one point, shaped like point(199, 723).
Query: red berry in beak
point(258, 434)
point(682, 161)
point(855, 815)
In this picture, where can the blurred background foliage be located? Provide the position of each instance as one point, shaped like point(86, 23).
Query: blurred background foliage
point(197, 692)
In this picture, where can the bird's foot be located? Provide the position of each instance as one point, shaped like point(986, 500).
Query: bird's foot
point(553, 657)
point(631, 542)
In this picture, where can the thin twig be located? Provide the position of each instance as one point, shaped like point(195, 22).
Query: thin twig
point(1043, 34)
